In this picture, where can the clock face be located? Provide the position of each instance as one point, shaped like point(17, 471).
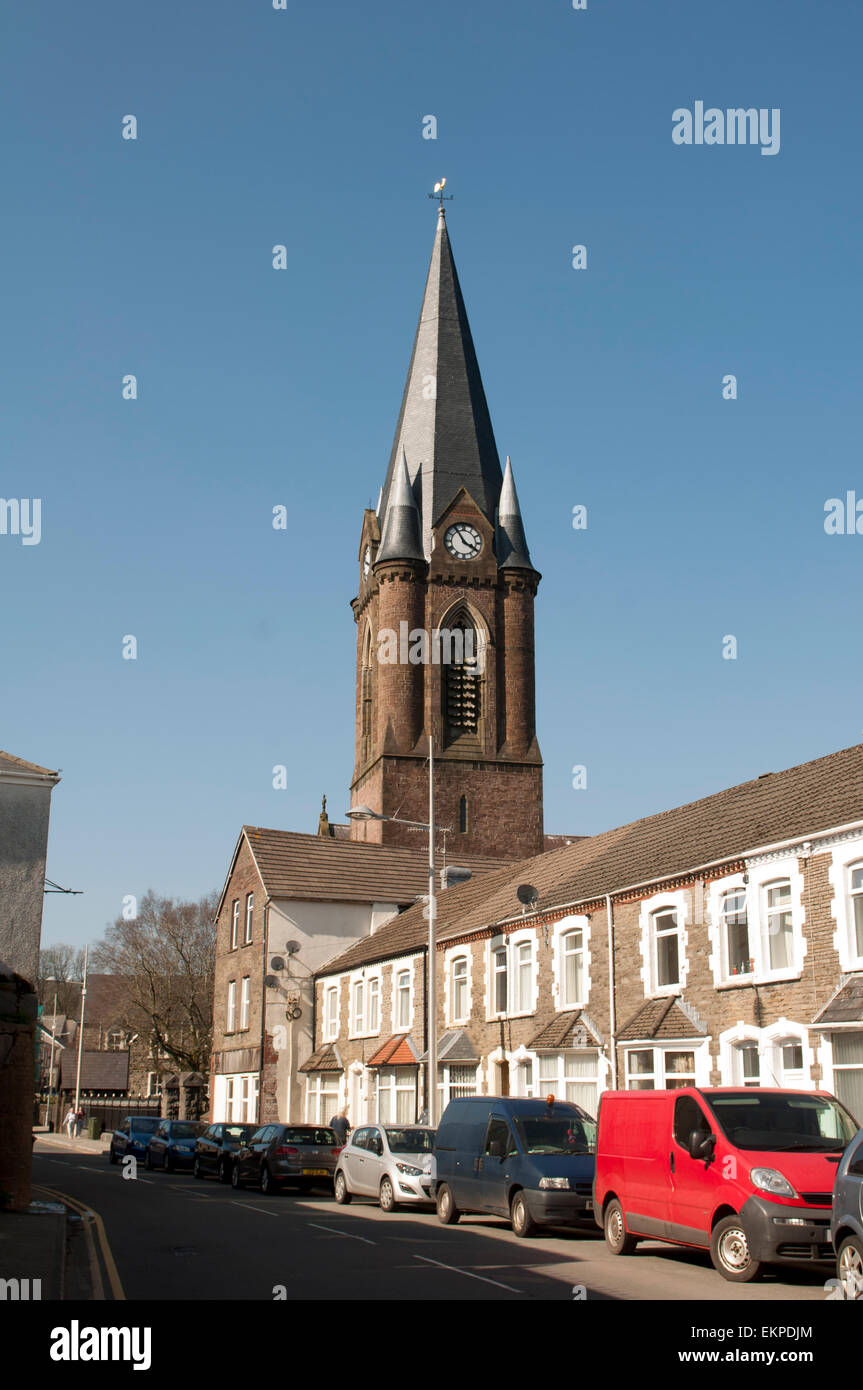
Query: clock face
point(367, 562)
point(463, 541)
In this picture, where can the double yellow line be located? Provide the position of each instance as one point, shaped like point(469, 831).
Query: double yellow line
point(92, 1222)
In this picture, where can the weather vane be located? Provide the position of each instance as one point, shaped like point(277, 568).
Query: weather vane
point(439, 193)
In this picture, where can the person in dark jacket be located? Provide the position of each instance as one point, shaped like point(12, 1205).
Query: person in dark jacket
point(340, 1124)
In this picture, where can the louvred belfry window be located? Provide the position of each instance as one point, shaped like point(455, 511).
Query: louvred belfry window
point(462, 682)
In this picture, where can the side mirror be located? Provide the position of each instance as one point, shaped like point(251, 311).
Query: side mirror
point(701, 1145)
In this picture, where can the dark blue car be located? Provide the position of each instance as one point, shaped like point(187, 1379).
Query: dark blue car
point(132, 1137)
point(531, 1161)
point(172, 1144)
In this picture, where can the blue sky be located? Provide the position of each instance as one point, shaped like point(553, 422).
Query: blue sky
point(256, 387)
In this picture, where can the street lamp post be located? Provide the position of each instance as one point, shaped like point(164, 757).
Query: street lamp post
point(365, 813)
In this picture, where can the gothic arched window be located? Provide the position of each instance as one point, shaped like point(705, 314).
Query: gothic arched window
point(462, 679)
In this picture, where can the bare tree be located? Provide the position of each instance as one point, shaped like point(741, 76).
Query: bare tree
point(61, 967)
point(166, 957)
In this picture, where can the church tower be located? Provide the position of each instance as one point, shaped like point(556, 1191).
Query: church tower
point(444, 613)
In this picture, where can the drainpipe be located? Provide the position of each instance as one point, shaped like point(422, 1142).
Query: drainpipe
point(612, 1022)
point(266, 946)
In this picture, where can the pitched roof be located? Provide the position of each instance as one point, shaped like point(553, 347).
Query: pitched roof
point(318, 868)
point(816, 796)
point(511, 545)
point(659, 1018)
point(325, 1059)
point(559, 1032)
point(446, 434)
point(454, 1046)
point(9, 763)
point(846, 1006)
point(397, 1051)
point(100, 1071)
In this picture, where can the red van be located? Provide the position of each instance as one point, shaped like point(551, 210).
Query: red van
point(744, 1173)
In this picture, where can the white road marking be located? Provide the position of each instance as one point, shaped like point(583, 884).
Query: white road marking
point(249, 1207)
point(466, 1272)
point(333, 1231)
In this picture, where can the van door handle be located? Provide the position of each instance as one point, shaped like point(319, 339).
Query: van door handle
point(671, 1161)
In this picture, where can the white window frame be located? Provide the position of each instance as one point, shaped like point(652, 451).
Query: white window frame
point(517, 1007)
point(769, 1042)
point(556, 1062)
point(394, 1082)
point(331, 1015)
point(321, 1098)
point(235, 924)
point(360, 1023)
point(448, 1082)
point(678, 902)
point(231, 1014)
point(452, 957)
point(698, 1047)
point(250, 910)
point(765, 874)
point(245, 1003)
point(844, 858)
point(398, 1026)
point(154, 1083)
point(373, 1005)
point(562, 929)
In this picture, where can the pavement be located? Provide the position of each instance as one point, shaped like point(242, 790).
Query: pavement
point(33, 1249)
point(83, 1145)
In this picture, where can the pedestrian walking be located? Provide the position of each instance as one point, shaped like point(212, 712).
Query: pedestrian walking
point(79, 1123)
point(69, 1121)
point(341, 1125)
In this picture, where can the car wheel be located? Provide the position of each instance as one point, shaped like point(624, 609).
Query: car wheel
point(520, 1218)
point(849, 1267)
point(268, 1187)
point(447, 1211)
point(196, 1169)
point(224, 1171)
point(387, 1196)
point(617, 1238)
point(236, 1180)
point(729, 1251)
point(340, 1189)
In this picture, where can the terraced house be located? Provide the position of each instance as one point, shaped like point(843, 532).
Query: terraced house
point(718, 943)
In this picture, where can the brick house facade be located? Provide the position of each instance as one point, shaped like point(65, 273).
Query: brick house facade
point(719, 943)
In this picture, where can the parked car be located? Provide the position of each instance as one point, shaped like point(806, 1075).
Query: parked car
point(846, 1226)
point(389, 1162)
point(302, 1156)
point(132, 1137)
point(172, 1145)
point(529, 1160)
point(747, 1174)
point(216, 1149)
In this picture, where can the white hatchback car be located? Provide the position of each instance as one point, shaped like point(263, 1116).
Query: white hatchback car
point(390, 1162)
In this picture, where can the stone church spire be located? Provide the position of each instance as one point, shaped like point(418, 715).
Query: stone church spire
point(511, 544)
point(444, 427)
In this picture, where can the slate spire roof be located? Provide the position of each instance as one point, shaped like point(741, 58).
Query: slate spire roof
point(512, 551)
point(444, 429)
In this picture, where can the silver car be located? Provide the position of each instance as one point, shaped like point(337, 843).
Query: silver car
point(389, 1162)
point(846, 1226)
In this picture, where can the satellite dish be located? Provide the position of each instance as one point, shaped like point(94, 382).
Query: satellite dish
point(271, 981)
point(277, 963)
point(527, 894)
point(292, 947)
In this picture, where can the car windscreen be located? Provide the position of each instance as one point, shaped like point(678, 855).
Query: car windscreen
point(184, 1131)
point(806, 1124)
point(320, 1138)
point(145, 1123)
point(556, 1134)
point(410, 1141)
